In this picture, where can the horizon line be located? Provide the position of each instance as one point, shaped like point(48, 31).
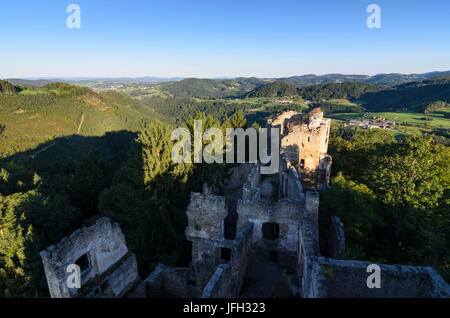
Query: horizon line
point(80, 78)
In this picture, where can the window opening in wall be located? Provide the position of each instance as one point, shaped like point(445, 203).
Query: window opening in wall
point(225, 254)
point(271, 231)
point(83, 262)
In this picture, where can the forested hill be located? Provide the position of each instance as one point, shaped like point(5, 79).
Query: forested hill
point(420, 96)
point(350, 91)
point(391, 79)
point(30, 117)
point(210, 88)
point(423, 96)
point(238, 87)
point(274, 89)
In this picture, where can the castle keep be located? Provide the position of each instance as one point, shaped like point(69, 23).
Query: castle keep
point(304, 140)
point(259, 237)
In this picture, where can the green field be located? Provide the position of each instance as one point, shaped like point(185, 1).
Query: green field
point(32, 92)
point(406, 123)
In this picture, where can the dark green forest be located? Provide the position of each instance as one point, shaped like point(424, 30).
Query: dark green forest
point(209, 88)
point(274, 89)
point(393, 197)
point(418, 96)
point(350, 91)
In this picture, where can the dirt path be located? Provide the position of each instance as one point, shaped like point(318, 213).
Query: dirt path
point(56, 142)
point(43, 149)
point(81, 123)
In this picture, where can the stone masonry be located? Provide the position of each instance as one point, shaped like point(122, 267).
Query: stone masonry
point(304, 139)
point(111, 271)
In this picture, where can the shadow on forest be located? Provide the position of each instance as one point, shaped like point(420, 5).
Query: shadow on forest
point(37, 186)
point(73, 188)
point(113, 146)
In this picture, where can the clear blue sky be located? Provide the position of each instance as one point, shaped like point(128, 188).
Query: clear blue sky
point(222, 38)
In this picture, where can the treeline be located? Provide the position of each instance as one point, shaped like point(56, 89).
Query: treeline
point(210, 88)
point(274, 89)
point(179, 110)
point(423, 96)
point(331, 108)
point(68, 90)
point(431, 107)
point(393, 197)
point(8, 88)
point(351, 91)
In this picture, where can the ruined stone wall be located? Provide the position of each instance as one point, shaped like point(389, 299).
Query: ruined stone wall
point(206, 214)
point(336, 237)
point(228, 278)
point(285, 213)
point(250, 189)
point(279, 122)
point(104, 244)
point(240, 254)
point(314, 133)
point(290, 186)
point(167, 281)
point(345, 278)
point(312, 200)
point(304, 141)
point(305, 256)
point(221, 284)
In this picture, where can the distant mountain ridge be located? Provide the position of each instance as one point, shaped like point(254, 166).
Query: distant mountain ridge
point(38, 82)
point(383, 79)
point(391, 79)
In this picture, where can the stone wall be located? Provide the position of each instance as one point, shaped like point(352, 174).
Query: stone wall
point(290, 185)
point(104, 245)
point(171, 282)
point(348, 279)
point(305, 256)
point(250, 189)
point(285, 213)
point(206, 213)
point(221, 284)
point(240, 254)
point(304, 141)
point(312, 205)
point(336, 237)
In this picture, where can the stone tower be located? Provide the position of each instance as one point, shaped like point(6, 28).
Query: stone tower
point(304, 140)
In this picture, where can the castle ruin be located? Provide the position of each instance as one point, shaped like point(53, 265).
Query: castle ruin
point(304, 140)
point(259, 237)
